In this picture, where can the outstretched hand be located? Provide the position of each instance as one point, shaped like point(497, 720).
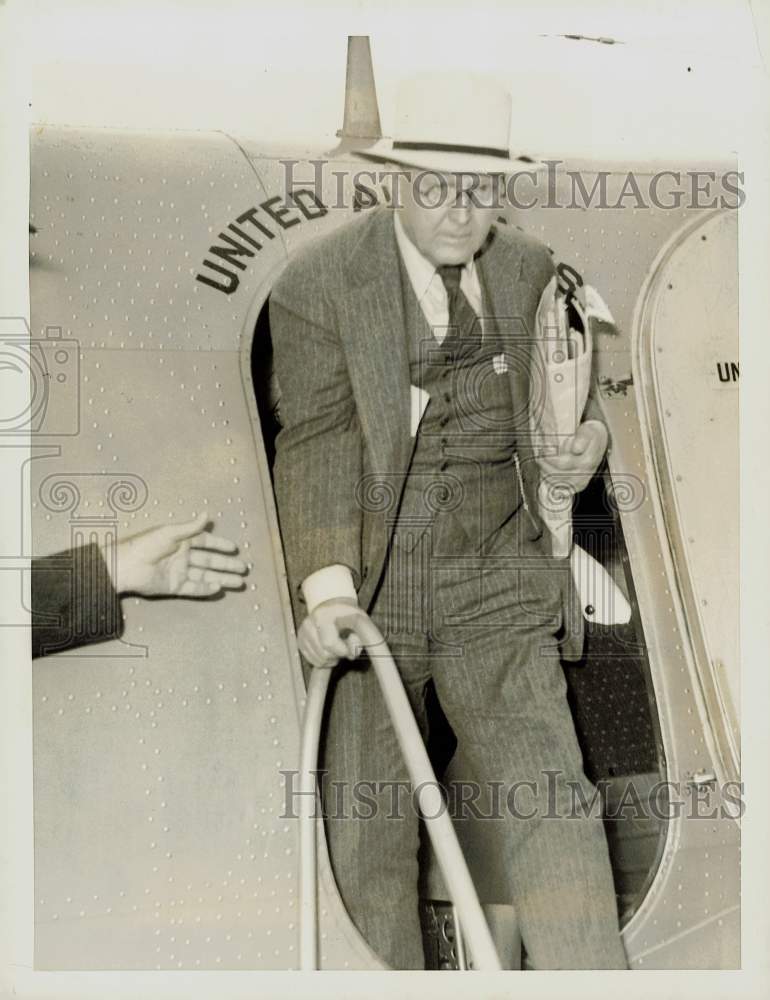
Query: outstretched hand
point(175, 560)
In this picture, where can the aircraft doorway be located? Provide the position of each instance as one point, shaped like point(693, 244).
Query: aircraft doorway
point(610, 696)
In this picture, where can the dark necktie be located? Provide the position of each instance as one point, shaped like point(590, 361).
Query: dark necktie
point(464, 334)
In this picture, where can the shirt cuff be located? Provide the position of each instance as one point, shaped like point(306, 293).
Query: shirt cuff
point(326, 584)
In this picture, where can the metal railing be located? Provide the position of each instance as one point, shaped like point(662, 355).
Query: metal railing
point(474, 927)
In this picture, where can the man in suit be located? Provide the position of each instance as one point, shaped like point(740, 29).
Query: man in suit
point(406, 485)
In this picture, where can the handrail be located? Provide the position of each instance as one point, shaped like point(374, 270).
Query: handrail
point(430, 801)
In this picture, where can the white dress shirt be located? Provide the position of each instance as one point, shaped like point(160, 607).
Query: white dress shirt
point(428, 286)
point(337, 580)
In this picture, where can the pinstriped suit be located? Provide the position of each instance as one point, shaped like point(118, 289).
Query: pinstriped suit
point(342, 361)
point(342, 364)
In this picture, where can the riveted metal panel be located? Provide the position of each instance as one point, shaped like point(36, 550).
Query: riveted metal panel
point(160, 833)
point(694, 897)
point(696, 385)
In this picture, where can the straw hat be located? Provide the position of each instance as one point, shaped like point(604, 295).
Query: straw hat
point(450, 123)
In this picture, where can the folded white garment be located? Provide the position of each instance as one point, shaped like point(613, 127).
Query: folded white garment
point(601, 599)
point(561, 374)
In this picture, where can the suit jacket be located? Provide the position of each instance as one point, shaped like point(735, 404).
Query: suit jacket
point(341, 360)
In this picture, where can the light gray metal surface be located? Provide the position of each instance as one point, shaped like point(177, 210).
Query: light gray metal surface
point(691, 916)
point(159, 831)
point(694, 384)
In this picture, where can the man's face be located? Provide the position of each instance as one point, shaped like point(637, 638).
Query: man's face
point(448, 216)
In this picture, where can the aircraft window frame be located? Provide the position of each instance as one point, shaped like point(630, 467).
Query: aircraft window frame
point(254, 314)
point(663, 495)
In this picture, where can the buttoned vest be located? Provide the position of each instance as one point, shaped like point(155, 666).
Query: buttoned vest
point(462, 481)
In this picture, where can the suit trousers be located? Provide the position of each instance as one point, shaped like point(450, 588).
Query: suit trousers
point(482, 627)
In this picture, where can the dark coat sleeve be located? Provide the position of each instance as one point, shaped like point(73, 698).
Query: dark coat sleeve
point(73, 601)
point(320, 443)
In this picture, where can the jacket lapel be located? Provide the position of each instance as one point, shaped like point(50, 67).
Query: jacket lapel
point(508, 287)
point(503, 280)
point(378, 356)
